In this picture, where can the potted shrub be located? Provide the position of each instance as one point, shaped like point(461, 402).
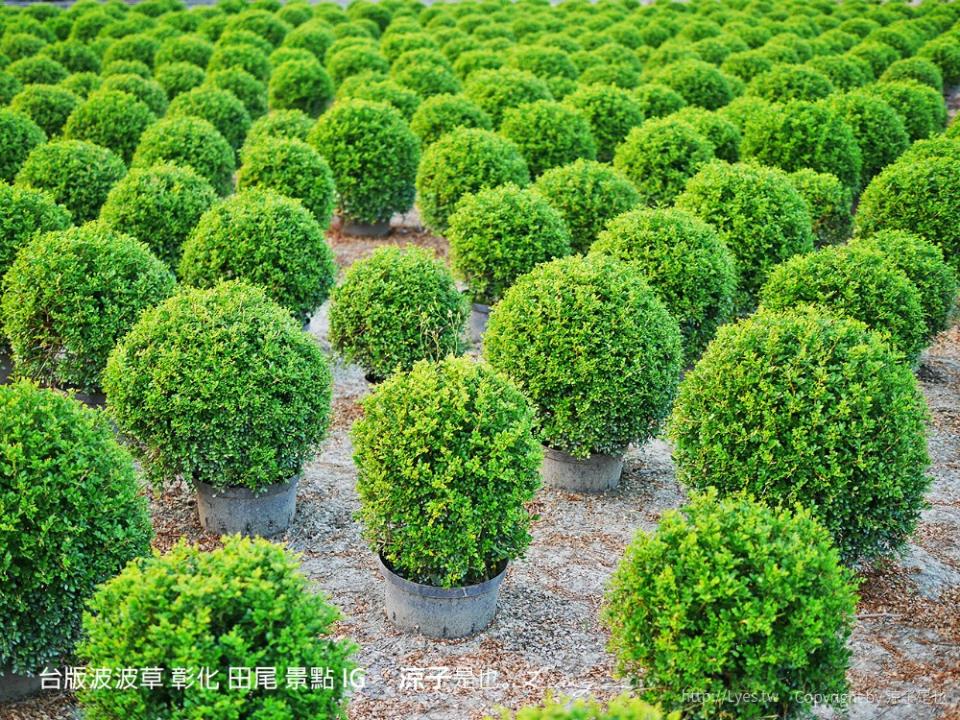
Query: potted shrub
point(69, 296)
point(147, 91)
point(394, 308)
point(355, 59)
point(440, 114)
point(427, 72)
point(718, 130)
point(244, 605)
point(656, 100)
point(19, 135)
point(807, 389)
point(493, 91)
point(374, 156)
point(922, 108)
point(300, 85)
point(497, 235)
point(548, 135)
point(292, 124)
point(48, 106)
point(698, 82)
point(597, 353)
point(58, 546)
point(220, 108)
point(376, 88)
point(111, 119)
point(784, 82)
point(221, 388)
point(730, 596)
point(612, 113)
point(442, 497)
point(250, 90)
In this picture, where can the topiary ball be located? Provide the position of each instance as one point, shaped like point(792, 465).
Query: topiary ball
point(426, 72)
point(290, 167)
point(24, 214)
point(498, 234)
point(300, 85)
point(377, 89)
point(272, 400)
point(660, 156)
point(786, 406)
point(611, 112)
point(657, 100)
point(292, 124)
point(355, 60)
point(48, 106)
point(112, 119)
point(70, 295)
point(179, 77)
point(80, 84)
point(247, 57)
point(548, 135)
point(267, 240)
point(158, 205)
point(76, 174)
point(220, 108)
point(37, 70)
point(757, 600)
point(192, 142)
point(149, 92)
point(699, 83)
point(440, 114)
point(829, 203)
point(686, 264)
point(19, 135)
point(493, 91)
point(245, 604)
point(250, 91)
point(587, 194)
point(462, 162)
point(921, 108)
point(790, 82)
point(914, 68)
point(60, 538)
point(394, 308)
point(759, 215)
point(877, 129)
point(373, 155)
point(719, 131)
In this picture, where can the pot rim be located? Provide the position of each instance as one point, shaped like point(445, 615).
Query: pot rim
point(241, 491)
point(463, 592)
point(561, 456)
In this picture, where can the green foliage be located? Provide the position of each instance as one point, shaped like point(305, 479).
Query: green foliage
point(426, 72)
point(249, 90)
point(111, 119)
point(622, 707)
point(38, 70)
point(265, 239)
point(877, 129)
point(548, 135)
point(81, 84)
point(220, 108)
point(915, 68)
point(70, 295)
point(443, 493)
point(829, 203)
point(395, 308)
point(19, 135)
point(189, 141)
point(660, 156)
point(790, 82)
point(59, 461)
point(699, 83)
point(715, 128)
point(440, 114)
point(149, 92)
point(220, 386)
point(314, 36)
point(922, 108)
point(19, 45)
point(544, 62)
point(498, 234)
point(300, 85)
point(845, 72)
point(496, 90)
point(658, 100)
point(944, 51)
point(246, 57)
point(747, 64)
point(731, 598)
point(355, 60)
point(611, 112)
point(192, 49)
point(594, 349)
point(48, 106)
point(261, 22)
point(9, 87)
point(24, 214)
point(76, 174)
point(292, 124)
point(376, 88)
point(373, 155)
point(686, 264)
point(809, 408)
point(471, 61)
point(243, 605)
point(158, 205)
point(179, 77)
point(139, 47)
point(125, 67)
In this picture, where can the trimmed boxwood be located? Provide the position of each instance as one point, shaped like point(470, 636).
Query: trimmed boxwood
point(746, 64)
point(60, 538)
point(112, 119)
point(877, 129)
point(426, 72)
point(443, 494)
point(37, 70)
point(945, 52)
point(249, 90)
point(498, 234)
point(441, 114)
point(159, 205)
point(313, 35)
point(300, 85)
point(548, 135)
point(70, 295)
point(246, 57)
point(377, 88)
point(76, 174)
point(732, 597)
point(914, 68)
point(243, 605)
point(686, 264)
point(19, 45)
point(265, 239)
point(723, 134)
point(595, 350)
point(611, 112)
point(464, 161)
point(139, 47)
point(496, 90)
point(149, 92)
point(290, 167)
point(922, 108)
point(471, 61)
point(587, 195)
point(48, 106)
point(80, 84)
point(272, 400)
point(759, 215)
point(657, 100)
point(221, 108)
point(829, 203)
point(544, 62)
point(19, 135)
point(698, 82)
point(660, 156)
point(790, 82)
point(394, 308)
point(125, 67)
point(293, 124)
point(261, 22)
point(786, 406)
point(189, 141)
point(354, 60)
point(179, 77)
point(193, 49)
point(846, 72)
point(9, 87)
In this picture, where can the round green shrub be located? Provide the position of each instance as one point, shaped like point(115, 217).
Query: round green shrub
point(845, 72)
point(921, 197)
point(746, 64)
point(60, 538)
point(300, 85)
point(468, 455)
point(594, 349)
point(877, 129)
point(548, 135)
point(192, 49)
point(221, 108)
point(158, 205)
point(699, 83)
point(622, 707)
point(149, 92)
point(686, 264)
point(179, 77)
point(471, 61)
point(73, 55)
point(440, 114)
point(355, 60)
point(376, 88)
point(394, 308)
point(660, 156)
point(76, 174)
point(373, 155)
point(9, 87)
point(246, 57)
point(856, 283)
point(802, 135)
point(272, 400)
point(657, 100)
point(426, 72)
point(25, 213)
point(81, 84)
point(944, 51)
point(790, 82)
point(19, 135)
point(807, 390)
point(715, 128)
point(138, 47)
point(498, 234)
point(267, 240)
point(759, 215)
point(48, 106)
point(292, 124)
point(878, 55)
point(261, 22)
point(730, 596)
point(125, 67)
point(37, 70)
point(496, 90)
point(915, 68)
point(243, 605)
point(829, 203)
point(111, 119)
point(70, 295)
point(19, 45)
point(587, 194)
point(544, 62)
point(250, 91)
point(611, 113)
point(235, 37)
point(192, 142)
point(464, 161)
point(921, 107)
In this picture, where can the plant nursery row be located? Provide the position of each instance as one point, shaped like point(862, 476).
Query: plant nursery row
point(731, 226)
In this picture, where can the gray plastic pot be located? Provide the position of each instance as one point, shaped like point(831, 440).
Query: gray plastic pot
point(14, 687)
point(440, 612)
point(225, 511)
point(479, 317)
point(595, 474)
point(360, 229)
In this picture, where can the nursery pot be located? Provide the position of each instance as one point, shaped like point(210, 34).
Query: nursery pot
point(479, 317)
point(440, 612)
point(594, 474)
point(229, 510)
point(14, 686)
point(359, 229)
point(6, 367)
